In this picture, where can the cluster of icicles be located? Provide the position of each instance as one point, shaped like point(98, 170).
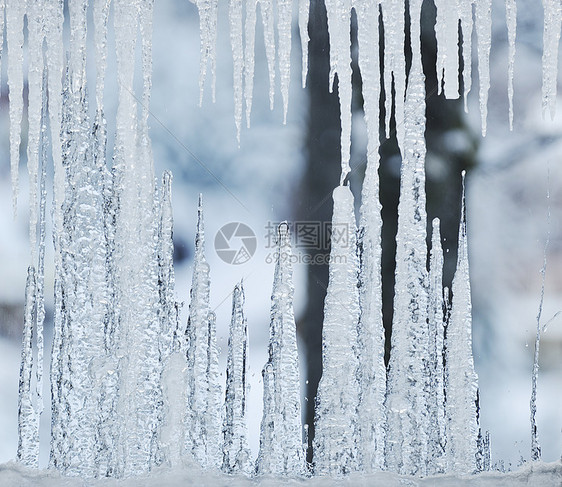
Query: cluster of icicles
point(131, 387)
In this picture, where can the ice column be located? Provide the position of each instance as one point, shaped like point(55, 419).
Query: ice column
point(461, 381)
point(435, 389)
point(198, 353)
point(281, 448)
point(236, 454)
point(406, 406)
point(372, 370)
point(335, 441)
point(28, 419)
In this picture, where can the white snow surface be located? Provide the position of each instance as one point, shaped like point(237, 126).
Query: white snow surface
point(530, 474)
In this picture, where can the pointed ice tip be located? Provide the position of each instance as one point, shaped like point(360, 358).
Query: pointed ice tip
point(200, 203)
point(283, 229)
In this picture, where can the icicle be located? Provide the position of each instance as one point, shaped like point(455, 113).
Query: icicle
point(484, 34)
point(236, 40)
point(214, 399)
point(84, 269)
point(145, 23)
point(284, 20)
point(281, 451)
point(236, 455)
point(461, 381)
point(511, 19)
point(270, 454)
point(335, 441)
point(394, 66)
point(250, 35)
point(269, 40)
point(174, 393)
point(372, 371)
point(136, 283)
point(304, 10)
point(208, 33)
point(535, 445)
point(339, 22)
point(198, 353)
point(447, 34)
point(101, 15)
point(487, 464)
point(28, 420)
point(551, 39)
point(166, 279)
point(435, 390)
point(15, 11)
point(407, 378)
point(174, 381)
point(465, 15)
point(40, 289)
point(35, 42)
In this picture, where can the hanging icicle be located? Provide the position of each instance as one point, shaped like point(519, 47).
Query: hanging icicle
point(208, 33)
point(511, 20)
point(551, 39)
point(484, 36)
point(447, 34)
point(339, 19)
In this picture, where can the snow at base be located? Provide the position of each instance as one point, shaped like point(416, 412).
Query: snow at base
point(538, 474)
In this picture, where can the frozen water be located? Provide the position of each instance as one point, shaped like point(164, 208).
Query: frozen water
point(132, 390)
point(461, 381)
point(281, 447)
point(335, 441)
point(236, 454)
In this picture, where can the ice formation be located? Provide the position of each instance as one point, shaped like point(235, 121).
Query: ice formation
point(461, 381)
point(371, 414)
point(335, 441)
point(236, 454)
point(133, 389)
point(281, 448)
point(406, 400)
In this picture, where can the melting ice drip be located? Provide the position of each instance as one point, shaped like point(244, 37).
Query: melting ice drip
point(132, 388)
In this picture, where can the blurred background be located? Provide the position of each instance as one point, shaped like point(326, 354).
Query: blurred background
point(288, 172)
